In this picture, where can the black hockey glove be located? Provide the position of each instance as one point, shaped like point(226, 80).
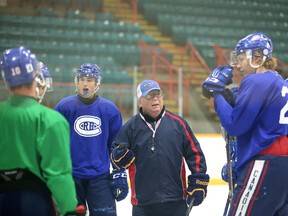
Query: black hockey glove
point(197, 188)
point(121, 156)
point(230, 95)
point(119, 185)
point(218, 79)
point(79, 211)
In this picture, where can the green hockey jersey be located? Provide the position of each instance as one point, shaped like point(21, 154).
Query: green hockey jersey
point(36, 138)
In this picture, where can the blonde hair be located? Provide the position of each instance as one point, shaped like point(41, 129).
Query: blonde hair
point(270, 63)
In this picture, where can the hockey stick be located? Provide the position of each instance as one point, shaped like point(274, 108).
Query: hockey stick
point(230, 180)
point(190, 206)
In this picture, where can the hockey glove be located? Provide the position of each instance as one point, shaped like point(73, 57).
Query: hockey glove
point(119, 185)
point(79, 211)
point(121, 156)
point(197, 188)
point(233, 148)
point(216, 82)
point(230, 95)
point(224, 173)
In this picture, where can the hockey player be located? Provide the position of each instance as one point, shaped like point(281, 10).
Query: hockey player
point(46, 79)
point(154, 145)
point(259, 119)
point(35, 164)
point(94, 123)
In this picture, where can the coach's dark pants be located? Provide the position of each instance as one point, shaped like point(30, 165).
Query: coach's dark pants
point(161, 209)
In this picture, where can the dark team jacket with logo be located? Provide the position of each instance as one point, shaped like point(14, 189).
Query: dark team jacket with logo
point(92, 129)
point(158, 172)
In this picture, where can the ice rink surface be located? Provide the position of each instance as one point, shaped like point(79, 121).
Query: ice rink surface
point(213, 205)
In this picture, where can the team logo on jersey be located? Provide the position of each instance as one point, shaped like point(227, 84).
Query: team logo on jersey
point(88, 126)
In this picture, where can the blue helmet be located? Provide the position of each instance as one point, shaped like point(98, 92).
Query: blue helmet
point(254, 42)
point(46, 75)
point(18, 66)
point(44, 70)
point(88, 70)
point(44, 81)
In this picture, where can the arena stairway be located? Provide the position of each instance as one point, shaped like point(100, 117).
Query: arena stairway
point(123, 11)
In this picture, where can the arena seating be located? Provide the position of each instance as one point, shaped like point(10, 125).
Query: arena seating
point(205, 23)
point(64, 41)
point(72, 41)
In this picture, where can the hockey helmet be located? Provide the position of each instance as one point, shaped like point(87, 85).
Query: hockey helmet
point(255, 42)
point(18, 66)
point(88, 70)
point(44, 81)
point(47, 76)
point(251, 45)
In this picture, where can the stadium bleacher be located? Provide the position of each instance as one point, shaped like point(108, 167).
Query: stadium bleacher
point(205, 23)
point(91, 30)
point(106, 41)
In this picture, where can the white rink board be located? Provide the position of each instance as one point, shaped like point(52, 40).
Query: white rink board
point(214, 149)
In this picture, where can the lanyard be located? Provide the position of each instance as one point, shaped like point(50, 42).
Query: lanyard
point(152, 129)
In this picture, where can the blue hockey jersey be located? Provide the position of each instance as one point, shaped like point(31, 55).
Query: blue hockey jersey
point(92, 130)
point(260, 114)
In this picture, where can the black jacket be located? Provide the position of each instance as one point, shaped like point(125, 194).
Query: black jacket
point(158, 172)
